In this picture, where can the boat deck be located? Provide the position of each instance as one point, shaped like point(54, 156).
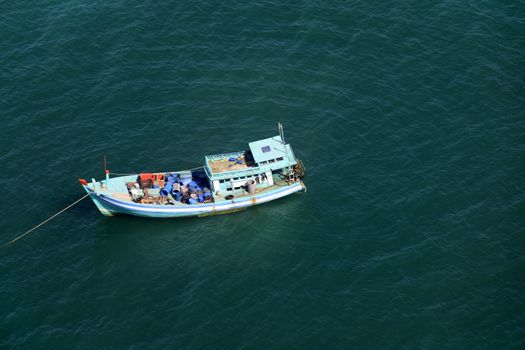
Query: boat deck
point(237, 194)
point(242, 193)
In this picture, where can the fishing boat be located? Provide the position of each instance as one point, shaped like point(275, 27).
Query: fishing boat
point(226, 183)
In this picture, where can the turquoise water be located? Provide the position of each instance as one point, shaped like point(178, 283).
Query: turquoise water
point(408, 116)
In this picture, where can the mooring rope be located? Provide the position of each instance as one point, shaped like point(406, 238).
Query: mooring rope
point(43, 222)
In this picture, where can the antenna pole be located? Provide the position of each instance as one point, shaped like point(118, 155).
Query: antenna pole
point(281, 132)
point(106, 171)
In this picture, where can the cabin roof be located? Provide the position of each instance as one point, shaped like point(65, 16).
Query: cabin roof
point(270, 148)
point(268, 154)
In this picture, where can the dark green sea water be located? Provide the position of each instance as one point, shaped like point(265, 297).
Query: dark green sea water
point(409, 116)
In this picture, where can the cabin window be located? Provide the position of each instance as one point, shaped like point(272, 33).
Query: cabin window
point(221, 181)
point(263, 163)
point(271, 161)
point(266, 149)
point(228, 189)
point(279, 159)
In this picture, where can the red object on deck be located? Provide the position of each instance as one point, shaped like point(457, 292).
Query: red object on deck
point(147, 176)
point(83, 182)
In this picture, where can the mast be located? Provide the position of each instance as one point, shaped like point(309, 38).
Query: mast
point(281, 132)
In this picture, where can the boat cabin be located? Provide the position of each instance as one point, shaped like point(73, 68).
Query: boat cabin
point(265, 162)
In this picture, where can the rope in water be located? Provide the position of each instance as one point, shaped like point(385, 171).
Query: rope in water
point(42, 223)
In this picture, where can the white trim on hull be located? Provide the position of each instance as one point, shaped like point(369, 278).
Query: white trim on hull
point(109, 206)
